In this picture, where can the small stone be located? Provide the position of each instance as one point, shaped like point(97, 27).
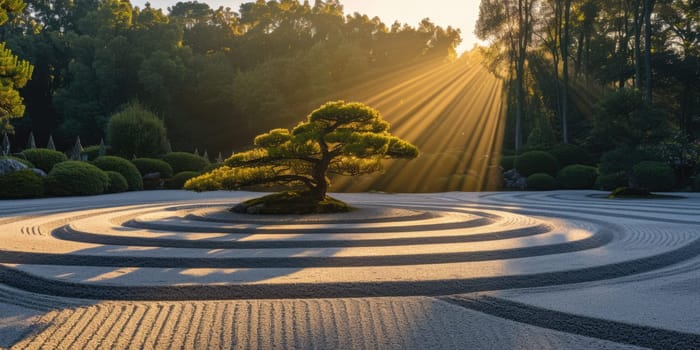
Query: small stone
point(10, 165)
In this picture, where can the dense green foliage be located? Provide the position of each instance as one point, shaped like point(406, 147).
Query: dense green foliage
point(577, 177)
point(217, 77)
point(75, 178)
point(696, 184)
point(122, 166)
point(533, 162)
point(136, 132)
point(177, 182)
point(654, 176)
point(14, 73)
point(541, 182)
point(44, 158)
point(568, 154)
point(183, 161)
point(340, 138)
point(609, 182)
point(508, 162)
point(117, 182)
point(21, 184)
point(152, 165)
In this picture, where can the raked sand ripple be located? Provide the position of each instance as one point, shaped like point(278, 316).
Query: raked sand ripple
point(176, 246)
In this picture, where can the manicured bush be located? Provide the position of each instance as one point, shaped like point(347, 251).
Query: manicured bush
point(21, 160)
point(508, 162)
point(152, 165)
point(122, 166)
point(178, 180)
point(577, 177)
point(609, 182)
point(117, 182)
point(183, 161)
point(21, 184)
point(541, 182)
point(44, 158)
point(654, 176)
point(75, 178)
point(136, 131)
point(619, 160)
point(568, 154)
point(533, 162)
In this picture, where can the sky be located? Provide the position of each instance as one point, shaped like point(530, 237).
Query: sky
point(460, 14)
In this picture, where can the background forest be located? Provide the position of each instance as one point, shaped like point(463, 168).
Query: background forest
point(620, 79)
point(217, 77)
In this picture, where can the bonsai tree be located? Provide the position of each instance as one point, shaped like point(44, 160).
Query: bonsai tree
point(338, 138)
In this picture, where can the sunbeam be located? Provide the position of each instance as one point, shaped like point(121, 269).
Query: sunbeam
point(453, 111)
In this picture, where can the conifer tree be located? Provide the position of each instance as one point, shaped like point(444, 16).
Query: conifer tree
point(14, 73)
point(338, 138)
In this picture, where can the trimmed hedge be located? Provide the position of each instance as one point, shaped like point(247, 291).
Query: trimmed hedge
point(179, 179)
point(541, 182)
point(21, 184)
point(152, 165)
point(183, 161)
point(609, 182)
point(508, 162)
point(21, 160)
point(534, 162)
point(577, 177)
point(75, 178)
point(122, 166)
point(44, 158)
point(117, 182)
point(568, 154)
point(654, 176)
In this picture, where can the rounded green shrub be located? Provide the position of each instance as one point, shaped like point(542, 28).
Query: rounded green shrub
point(577, 177)
point(75, 178)
point(654, 176)
point(117, 182)
point(183, 161)
point(122, 166)
point(178, 180)
point(568, 154)
point(534, 162)
point(21, 184)
point(152, 165)
point(609, 182)
point(44, 158)
point(541, 182)
point(136, 131)
point(508, 162)
point(21, 160)
point(619, 160)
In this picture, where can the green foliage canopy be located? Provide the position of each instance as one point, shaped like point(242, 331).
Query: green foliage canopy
point(136, 131)
point(338, 138)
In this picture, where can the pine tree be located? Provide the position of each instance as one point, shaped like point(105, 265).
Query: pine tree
point(14, 73)
point(338, 138)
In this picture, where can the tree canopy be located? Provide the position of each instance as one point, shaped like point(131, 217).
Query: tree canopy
point(337, 138)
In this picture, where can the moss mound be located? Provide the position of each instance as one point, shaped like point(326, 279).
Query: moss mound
point(291, 202)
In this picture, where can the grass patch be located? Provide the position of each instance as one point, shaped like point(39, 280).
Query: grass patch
point(291, 202)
